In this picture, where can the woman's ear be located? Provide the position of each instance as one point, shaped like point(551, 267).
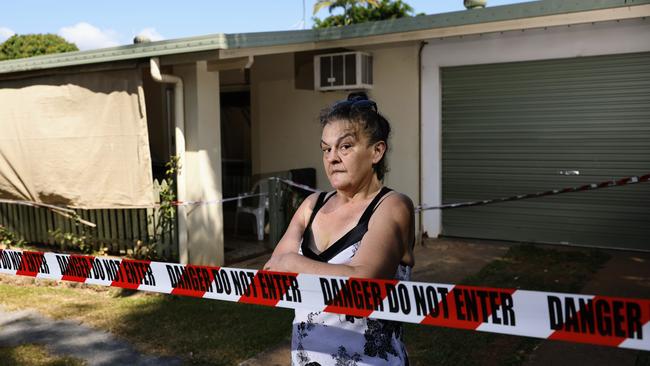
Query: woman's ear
point(378, 151)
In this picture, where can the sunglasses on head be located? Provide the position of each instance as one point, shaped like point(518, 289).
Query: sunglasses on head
point(357, 103)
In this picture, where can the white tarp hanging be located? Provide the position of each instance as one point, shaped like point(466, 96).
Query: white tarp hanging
point(76, 139)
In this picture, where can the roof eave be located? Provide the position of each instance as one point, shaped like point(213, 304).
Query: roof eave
point(491, 19)
point(554, 20)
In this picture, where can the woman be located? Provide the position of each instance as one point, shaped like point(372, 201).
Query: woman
point(362, 229)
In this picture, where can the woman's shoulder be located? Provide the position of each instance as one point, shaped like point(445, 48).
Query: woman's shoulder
point(394, 206)
point(310, 201)
point(308, 205)
point(395, 200)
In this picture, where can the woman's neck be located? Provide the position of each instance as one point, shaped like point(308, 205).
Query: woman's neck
point(362, 192)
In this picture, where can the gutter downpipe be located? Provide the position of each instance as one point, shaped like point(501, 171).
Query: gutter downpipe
point(420, 236)
point(179, 132)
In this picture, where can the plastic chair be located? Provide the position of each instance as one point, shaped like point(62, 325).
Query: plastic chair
point(259, 210)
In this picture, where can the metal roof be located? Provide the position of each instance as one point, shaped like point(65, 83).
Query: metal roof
point(265, 39)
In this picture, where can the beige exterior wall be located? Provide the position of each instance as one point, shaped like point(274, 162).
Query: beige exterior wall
point(286, 132)
point(285, 128)
point(203, 163)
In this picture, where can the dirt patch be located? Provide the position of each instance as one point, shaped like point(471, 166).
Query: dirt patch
point(523, 266)
point(451, 260)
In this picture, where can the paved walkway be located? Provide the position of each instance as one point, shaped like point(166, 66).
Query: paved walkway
point(67, 338)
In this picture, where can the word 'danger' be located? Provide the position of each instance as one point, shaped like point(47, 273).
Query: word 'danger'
point(617, 322)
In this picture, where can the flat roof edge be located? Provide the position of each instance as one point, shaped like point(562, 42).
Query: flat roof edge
point(242, 41)
point(120, 53)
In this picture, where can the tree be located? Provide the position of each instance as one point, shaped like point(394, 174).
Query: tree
point(345, 4)
point(28, 45)
point(355, 12)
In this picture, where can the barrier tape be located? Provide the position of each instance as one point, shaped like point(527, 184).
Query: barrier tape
point(586, 187)
point(212, 202)
point(593, 319)
point(422, 207)
point(297, 185)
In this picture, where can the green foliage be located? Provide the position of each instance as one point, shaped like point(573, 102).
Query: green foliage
point(82, 242)
point(338, 3)
point(168, 196)
point(8, 238)
point(28, 45)
point(166, 214)
point(354, 12)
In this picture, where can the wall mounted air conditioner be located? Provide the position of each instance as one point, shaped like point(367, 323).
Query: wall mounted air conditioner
point(343, 71)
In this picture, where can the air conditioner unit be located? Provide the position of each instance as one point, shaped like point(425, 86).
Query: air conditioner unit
point(343, 71)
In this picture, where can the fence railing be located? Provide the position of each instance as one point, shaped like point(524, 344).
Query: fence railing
point(118, 230)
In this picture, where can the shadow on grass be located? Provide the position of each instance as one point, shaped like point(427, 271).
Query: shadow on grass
point(200, 331)
point(34, 355)
point(524, 266)
point(205, 332)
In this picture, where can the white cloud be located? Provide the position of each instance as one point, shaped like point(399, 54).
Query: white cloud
point(151, 33)
point(87, 36)
point(5, 33)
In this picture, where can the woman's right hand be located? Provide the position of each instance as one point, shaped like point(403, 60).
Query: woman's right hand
point(272, 263)
point(279, 263)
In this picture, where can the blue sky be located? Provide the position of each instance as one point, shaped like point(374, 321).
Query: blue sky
point(97, 24)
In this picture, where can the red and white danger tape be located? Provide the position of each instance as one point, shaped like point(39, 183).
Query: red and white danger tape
point(602, 320)
point(423, 207)
point(552, 192)
point(213, 202)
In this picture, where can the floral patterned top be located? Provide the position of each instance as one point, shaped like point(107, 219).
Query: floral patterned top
point(321, 338)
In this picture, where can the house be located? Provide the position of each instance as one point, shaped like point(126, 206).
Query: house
point(484, 103)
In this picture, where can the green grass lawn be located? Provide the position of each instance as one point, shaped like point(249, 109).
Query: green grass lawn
point(222, 333)
point(34, 355)
point(524, 266)
point(206, 332)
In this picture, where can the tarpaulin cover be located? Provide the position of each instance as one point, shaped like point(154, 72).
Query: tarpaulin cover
point(76, 139)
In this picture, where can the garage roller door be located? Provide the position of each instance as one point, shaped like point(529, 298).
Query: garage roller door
point(524, 127)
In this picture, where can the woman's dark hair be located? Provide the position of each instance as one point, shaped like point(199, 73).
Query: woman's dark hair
point(362, 112)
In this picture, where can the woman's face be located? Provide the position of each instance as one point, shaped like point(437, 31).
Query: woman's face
point(347, 156)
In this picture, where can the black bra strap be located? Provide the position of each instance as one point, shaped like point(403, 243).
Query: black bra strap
point(317, 206)
point(328, 198)
point(320, 202)
point(365, 218)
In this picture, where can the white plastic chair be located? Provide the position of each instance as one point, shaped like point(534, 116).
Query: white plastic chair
point(259, 211)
